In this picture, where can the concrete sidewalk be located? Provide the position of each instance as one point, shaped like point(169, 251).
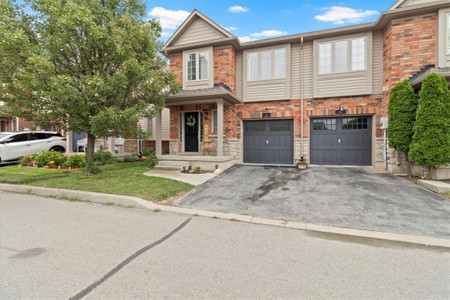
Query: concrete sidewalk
point(194, 179)
point(129, 201)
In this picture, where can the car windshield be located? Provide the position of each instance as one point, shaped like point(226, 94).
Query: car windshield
point(2, 135)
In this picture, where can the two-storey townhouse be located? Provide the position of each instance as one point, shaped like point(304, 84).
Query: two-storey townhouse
point(314, 98)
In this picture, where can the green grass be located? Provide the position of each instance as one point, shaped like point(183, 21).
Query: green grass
point(447, 194)
point(120, 179)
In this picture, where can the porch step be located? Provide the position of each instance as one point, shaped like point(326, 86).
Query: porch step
point(171, 165)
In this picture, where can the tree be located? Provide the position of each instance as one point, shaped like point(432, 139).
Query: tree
point(402, 115)
point(431, 141)
point(88, 66)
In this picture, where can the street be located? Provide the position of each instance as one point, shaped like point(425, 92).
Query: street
point(57, 249)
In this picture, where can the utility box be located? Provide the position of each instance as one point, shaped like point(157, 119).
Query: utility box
point(384, 122)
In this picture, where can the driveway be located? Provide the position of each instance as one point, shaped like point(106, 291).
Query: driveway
point(343, 197)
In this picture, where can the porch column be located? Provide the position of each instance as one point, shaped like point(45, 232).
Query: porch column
point(220, 128)
point(158, 141)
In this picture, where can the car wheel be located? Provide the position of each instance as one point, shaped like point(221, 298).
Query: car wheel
point(58, 149)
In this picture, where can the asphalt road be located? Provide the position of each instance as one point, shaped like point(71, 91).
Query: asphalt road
point(55, 249)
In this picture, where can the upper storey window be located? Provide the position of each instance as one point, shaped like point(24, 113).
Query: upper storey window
point(197, 65)
point(266, 64)
point(342, 56)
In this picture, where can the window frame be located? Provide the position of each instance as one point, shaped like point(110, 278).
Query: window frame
point(272, 64)
point(197, 65)
point(447, 33)
point(349, 41)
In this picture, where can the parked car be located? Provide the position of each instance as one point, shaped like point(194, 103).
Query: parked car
point(14, 145)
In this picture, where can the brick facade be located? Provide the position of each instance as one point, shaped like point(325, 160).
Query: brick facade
point(225, 67)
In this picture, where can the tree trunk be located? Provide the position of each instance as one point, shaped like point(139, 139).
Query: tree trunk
point(90, 154)
point(430, 172)
point(408, 165)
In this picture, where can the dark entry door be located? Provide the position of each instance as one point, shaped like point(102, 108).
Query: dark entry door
point(269, 142)
point(341, 141)
point(191, 125)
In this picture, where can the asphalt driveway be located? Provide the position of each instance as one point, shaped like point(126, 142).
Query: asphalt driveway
point(343, 197)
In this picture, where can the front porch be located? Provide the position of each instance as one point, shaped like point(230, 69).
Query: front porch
point(202, 133)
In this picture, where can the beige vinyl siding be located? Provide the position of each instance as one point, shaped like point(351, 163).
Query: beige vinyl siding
point(351, 83)
point(239, 74)
point(377, 63)
point(308, 71)
point(271, 89)
point(443, 54)
point(415, 2)
point(199, 31)
point(295, 71)
point(150, 128)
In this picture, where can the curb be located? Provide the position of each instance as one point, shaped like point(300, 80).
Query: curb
point(141, 203)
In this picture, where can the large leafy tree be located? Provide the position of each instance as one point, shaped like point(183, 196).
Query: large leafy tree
point(431, 141)
point(402, 115)
point(89, 66)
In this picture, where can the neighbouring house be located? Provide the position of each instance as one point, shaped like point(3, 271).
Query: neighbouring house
point(311, 98)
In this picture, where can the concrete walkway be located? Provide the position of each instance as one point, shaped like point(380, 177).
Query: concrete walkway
point(194, 179)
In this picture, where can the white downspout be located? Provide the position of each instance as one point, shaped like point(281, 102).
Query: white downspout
point(301, 100)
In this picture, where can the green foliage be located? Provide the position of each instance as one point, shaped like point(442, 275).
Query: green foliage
point(130, 159)
point(103, 156)
point(48, 158)
point(75, 160)
point(86, 66)
point(431, 141)
point(402, 115)
point(150, 157)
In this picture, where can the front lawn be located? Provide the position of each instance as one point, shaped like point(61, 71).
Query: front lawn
point(121, 179)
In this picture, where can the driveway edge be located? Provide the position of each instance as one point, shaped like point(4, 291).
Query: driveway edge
point(130, 201)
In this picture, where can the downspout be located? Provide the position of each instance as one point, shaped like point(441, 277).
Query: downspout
point(301, 100)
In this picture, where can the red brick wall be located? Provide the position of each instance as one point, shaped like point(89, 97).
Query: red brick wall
point(26, 124)
point(176, 66)
point(365, 105)
point(225, 67)
point(409, 45)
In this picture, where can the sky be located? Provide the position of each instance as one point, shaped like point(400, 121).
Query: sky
point(259, 19)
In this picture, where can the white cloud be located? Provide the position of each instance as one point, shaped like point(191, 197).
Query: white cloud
point(245, 39)
point(238, 9)
point(166, 34)
point(169, 19)
point(342, 15)
point(230, 28)
point(268, 33)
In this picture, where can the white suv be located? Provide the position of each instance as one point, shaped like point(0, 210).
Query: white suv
point(14, 145)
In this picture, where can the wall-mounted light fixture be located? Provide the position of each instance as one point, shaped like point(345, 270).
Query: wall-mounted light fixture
point(206, 115)
point(341, 110)
point(266, 113)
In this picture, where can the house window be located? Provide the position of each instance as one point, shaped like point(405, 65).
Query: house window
point(448, 34)
point(342, 56)
point(266, 65)
point(197, 64)
point(324, 58)
point(358, 54)
point(214, 121)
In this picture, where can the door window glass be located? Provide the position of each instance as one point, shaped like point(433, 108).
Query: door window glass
point(38, 136)
point(18, 138)
point(256, 126)
point(324, 124)
point(282, 125)
point(354, 123)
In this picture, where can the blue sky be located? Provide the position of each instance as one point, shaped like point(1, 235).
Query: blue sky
point(258, 19)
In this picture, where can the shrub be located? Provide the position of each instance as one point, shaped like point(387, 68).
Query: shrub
point(103, 156)
point(75, 160)
point(150, 156)
point(46, 158)
point(27, 160)
point(431, 141)
point(402, 115)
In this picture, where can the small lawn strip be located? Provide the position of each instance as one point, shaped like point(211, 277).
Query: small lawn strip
point(120, 179)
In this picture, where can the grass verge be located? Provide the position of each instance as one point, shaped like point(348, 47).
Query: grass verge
point(120, 179)
point(446, 194)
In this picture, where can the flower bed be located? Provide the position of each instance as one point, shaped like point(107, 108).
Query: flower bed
point(53, 160)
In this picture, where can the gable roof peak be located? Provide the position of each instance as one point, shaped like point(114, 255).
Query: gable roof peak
point(191, 18)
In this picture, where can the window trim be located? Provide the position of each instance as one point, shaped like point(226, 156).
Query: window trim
point(212, 121)
point(447, 33)
point(272, 63)
point(203, 83)
point(197, 65)
point(349, 41)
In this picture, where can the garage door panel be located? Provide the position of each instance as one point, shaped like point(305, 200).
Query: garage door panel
point(341, 141)
point(273, 145)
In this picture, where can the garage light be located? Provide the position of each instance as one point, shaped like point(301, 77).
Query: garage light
point(341, 110)
point(266, 113)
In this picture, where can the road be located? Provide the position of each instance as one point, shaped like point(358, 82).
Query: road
point(56, 249)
